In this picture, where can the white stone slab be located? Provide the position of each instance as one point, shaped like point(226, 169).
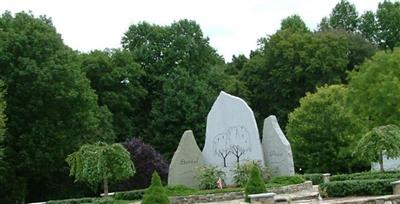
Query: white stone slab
point(231, 133)
point(185, 162)
point(277, 151)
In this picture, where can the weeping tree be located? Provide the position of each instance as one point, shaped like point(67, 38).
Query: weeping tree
point(101, 163)
point(380, 141)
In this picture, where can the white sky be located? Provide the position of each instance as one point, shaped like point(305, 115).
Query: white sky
point(233, 26)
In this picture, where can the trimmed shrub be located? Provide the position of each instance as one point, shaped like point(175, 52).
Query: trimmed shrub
point(180, 190)
point(156, 193)
point(315, 178)
point(208, 176)
point(241, 173)
point(366, 176)
point(255, 184)
point(356, 188)
point(130, 195)
point(285, 180)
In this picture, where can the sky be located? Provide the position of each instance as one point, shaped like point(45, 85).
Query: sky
point(233, 26)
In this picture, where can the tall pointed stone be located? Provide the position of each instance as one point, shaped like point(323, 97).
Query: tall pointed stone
point(184, 163)
point(277, 150)
point(231, 135)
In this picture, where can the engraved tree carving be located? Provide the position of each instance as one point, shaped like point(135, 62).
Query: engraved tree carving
point(240, 142)
point(235, 141)
point(221, 147)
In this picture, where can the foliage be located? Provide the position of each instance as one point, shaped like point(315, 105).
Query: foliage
point(255, 184)
point(241, 173)
point(3, 120)
point(344, 16)
point(356, 188)
point(379, 142)
point(178, 62)
point(322, 132)
point(208, 176)
point(129, 195)
point(388, 20)
point(99, 163)
point(373, 89)
point(156, 192)
point(366, 176)
point(315, 178)
point(294, 23)
point(51, 108)
point(117, 78)
point(288, 64)
point(285, 180)
point(146, 160)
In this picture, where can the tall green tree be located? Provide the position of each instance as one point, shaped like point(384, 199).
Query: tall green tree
point(344, 16)
point(388, 19)
point(292, 62)
point(368, 27)
point(379, 142)
point(294, 23)
point(323, 132)
point(101, 163)
point(178, 62)
point(117, 80)
point(51, 108)
point(373, 89)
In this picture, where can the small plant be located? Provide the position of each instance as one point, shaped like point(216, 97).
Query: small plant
point(242, 172)
point(156, 193)
point(208, 176)
point(255, 184)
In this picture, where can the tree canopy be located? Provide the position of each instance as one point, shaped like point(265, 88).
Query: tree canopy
point(100, 163)
point(322, 132)
point(51, 108)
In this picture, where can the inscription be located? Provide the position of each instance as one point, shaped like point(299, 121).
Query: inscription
point(188, 162)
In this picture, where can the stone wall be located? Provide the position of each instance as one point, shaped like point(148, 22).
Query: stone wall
point(388, 199)
point(207, 198)
point(236, 195)
point(306, 186)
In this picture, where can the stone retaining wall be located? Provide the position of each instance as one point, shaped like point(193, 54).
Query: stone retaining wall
point(306, 186)
point(217, 197)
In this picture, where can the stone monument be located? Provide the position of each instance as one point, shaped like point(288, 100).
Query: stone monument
point(388, 164)
point(277, 151)
point(231, 135)
point(184, 163)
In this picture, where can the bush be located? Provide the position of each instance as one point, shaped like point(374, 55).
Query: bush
point(241, 173)
point(356, 188)
point(180, 190)
point(366, 176)
point(130, 195)
point(255, 184)
point(156, 192)
point(315, 178)
point(285, 180)
point(208, 176)
point(146, 160)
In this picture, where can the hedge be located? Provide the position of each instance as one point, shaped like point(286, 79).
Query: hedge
point(130, 195)
point(356, 188)
point(284, 181)
point(315, 178)
point(366, 176)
